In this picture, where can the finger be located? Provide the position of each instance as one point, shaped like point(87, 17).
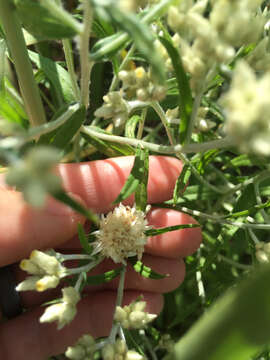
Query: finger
point(24, 228)
point(173, 269)
point(35, 341)
point(98, 183)
point(173, 244)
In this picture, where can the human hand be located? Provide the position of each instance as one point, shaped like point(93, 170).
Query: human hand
point(96, 184)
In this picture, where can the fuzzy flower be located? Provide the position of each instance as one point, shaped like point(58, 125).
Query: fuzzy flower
point(133, 316)
point(121, 234)
point(64, 311)
point(247, 107)
point(119, 350)
point(46, 271)
point(263, 252)
point(83, 349)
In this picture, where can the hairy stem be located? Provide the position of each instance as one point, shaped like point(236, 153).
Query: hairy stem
point(18, 50)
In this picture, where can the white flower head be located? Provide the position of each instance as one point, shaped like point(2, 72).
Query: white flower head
point(83, 349)
point(121, 234)
point(63, 312)
point(133, 316)
point(46, 271)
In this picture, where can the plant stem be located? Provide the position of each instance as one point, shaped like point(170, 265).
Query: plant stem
point(141, 124)
point(158, 109)
point(120, 290)
point(17, 47)
point(195, 108)
point(70, 66)
point(86, 65)
point(121, 67)
point(191, 148)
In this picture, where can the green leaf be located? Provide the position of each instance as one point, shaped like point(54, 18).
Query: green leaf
point(61, 137)
point(83, 239)
point(154, 232)
point(105, 48)
point(206, 159)
point(2, 65)
point(75, 205)
point(235, 328)
point(141, 191)
point(45, 18)
point(181, 182)
point(103, 278)
point(185, 96)
point(136, 176)
point(131, 126)
point(57, 75)
point(144, 270)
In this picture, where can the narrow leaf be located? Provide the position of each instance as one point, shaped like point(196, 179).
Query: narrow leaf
point(135, 177)
point(185, 96)
point(153, 232)
point(103, 278)
point(56, 74)
point(141, 191)
point(83, 239)
point(144, 270)
point(43, 20)
point(181, 182)
point(131, 126)
point(75, 205)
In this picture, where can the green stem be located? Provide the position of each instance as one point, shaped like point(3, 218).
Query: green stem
point(158, 109)
point(70, 66)
point(17, 47)
point(163, 149)
point(86, 65)
point(121, 285)
point(141, 124)
point(121, 67)
point(195, 108)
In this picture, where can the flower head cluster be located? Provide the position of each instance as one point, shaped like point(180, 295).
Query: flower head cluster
point(114, 107)
point(205, 42)
point(247, 108)
point(263, 252)
point(119, 351)
point(64, 311)
point(121, 234)
point(83, 349)
point(33, 175)
point(133, 316)
point(45, 269)
point(141, 84)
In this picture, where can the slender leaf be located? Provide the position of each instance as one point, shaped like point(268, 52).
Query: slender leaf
point(141, 191)
point(83, 239)
point(131, 126)
point(181, 182)
point(185, 96)
point(56, 74)
point(103, 278)
point(206, 159)
point(154, 232)
point(144, 270)
point(136, 176)
point(51, 22)
point(75, 205)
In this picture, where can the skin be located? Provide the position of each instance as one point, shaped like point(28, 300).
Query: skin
point(96, 184)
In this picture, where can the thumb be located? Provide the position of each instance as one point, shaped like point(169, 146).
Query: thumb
point(23, 228)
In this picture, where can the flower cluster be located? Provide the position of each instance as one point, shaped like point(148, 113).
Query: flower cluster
point(119, 351)
point(83, 349)
point(247, 107)
point(114, 107)
point(64, 311)
point(121, 234)
point(33, 175)
point(45, 269)
point(263, 252)
point(205, 42)
point(141, 84)
point(133, 316)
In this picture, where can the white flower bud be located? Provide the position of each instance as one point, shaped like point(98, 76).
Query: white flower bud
point(120, 314)
point(47, 282)
point(75, 353)
point(120, 347)
point(49, 264)
point(28, 284)
point(133, 355)
point(108, 352)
